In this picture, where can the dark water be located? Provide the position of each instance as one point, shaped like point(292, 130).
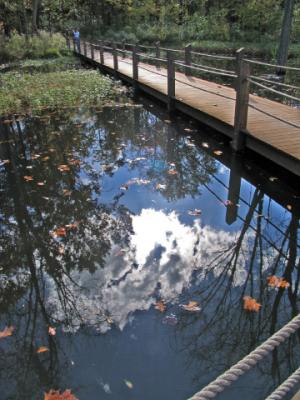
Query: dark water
point(120, 251)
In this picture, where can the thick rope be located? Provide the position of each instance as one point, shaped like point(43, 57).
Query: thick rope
point(285, 387)
point(244, 365)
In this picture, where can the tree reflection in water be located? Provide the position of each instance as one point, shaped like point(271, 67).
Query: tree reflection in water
point(131, 248)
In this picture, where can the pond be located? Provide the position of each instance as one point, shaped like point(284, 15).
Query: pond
point(128, 243)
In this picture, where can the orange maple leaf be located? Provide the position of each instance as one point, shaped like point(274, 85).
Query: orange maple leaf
point(191, 306)
point(251, 304)
point(160, 306)
point(42, 349)
point(277, 282)
point(8, 331)
point(56, 395)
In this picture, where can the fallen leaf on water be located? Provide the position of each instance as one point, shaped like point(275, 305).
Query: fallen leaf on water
point(191, 306)
point(28, 178)
point(251, 304)
point(56, 395)
point(45, 158)
point(160, 306)
point(172, 164)
point(218, 152)
point(277, 282)
point(61, 249)
point(172, 172)
point(35, 156)
point(206, 145)
point(167, 121)
point(8, 331)
point(73, 161)
point(188, 130)
point(41, 183)
point(289, 207)
point(42, 349)
point(72, 226)
point(63, 168)
point(3, 162)
point(124, 187)
point(194, 212)
point(67, 192)
point(273, 178)
point(52, 150)
point(128, 384)
point(160, 186)
point(51, 331)
point(59, 232)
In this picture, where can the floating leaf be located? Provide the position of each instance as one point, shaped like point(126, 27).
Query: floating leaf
point(251, 304)
point(63, 168)
point(218, 152)
point(160, 306)
point(59, 232)
point(206, 145)
point(51, 331)
point(273, 178)
point(194, 212)
point(46, 158)
point(128, 384)
point(277, 282)
point(124, 187)
point(8, 331)
point(191, 306)
point(28, 178)
point(72, 226)
point(289, 207)
point(41, 183)
point(56, 395)
point(3, 162)
point(67, 192)
point(42, 349)
point(160, 186)
point(73, 161)
point(172, 172)
point(35, 156)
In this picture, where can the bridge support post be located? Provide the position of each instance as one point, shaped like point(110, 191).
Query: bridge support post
point(241, 103)
point(135, 68)
point(157, 53)
point(84, 48)
point(188, 58)
point(115, 56)
point(171, 82)
point(101, 52)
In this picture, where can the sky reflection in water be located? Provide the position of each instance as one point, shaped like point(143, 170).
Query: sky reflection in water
point(130, 241)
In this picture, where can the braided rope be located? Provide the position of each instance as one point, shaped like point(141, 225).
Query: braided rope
point(231, 375)
point(285, 387)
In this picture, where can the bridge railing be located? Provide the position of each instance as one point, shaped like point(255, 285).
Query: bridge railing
point(180, 66)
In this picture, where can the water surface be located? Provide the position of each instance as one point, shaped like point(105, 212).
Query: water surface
point(106, 212)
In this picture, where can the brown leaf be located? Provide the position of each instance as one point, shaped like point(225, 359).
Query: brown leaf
point(28, 178)
point(172, 172)
point(67, 192)
point(191, 306)
point(160, 306)
point(63, 168)
point(56, 395)
point(8, 331)
point(251, 304)
point(46, 158)
point(277, 282)
point(59, 232)
point(42, 349)
point(218, 152)
point(51, 331)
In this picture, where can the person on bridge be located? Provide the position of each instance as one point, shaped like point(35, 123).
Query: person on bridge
point(76, 37)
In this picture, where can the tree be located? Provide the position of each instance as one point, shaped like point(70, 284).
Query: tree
point(283, 50)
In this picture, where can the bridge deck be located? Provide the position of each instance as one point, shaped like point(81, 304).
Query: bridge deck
point(218, 102)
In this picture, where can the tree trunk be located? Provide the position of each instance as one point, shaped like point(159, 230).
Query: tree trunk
point(35, 6)
point(283, 50)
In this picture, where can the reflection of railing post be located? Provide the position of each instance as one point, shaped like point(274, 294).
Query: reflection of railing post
point(157, 53)
point(171, 81)
point(188, 58)
point(135, 68)
point(242, 100)
point(101, 52)
point(84, 48)
point(233, 190)
point(115, 56)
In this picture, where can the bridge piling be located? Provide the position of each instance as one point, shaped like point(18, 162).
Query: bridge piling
point(171, 82)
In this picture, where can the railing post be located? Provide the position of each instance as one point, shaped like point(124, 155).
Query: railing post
point(157, 52)
point(123, 48)
point(242, 100)
point(92, 51)
point(84, 48)
point(68, 42)
point(171, 81)
point(74, 45)
point(101, 52)
point(115, 56)
point(79, 46)
point(188, 58)
point(135, 68)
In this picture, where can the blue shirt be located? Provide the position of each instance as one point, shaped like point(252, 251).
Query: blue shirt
point(76, 35)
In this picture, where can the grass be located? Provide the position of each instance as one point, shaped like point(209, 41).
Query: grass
point(26, 92)
point(62, 63)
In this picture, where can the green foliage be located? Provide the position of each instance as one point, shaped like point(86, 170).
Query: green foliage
point(18, 47)
point(21, 92)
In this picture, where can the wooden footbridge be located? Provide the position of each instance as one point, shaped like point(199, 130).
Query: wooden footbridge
point(268, 127)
